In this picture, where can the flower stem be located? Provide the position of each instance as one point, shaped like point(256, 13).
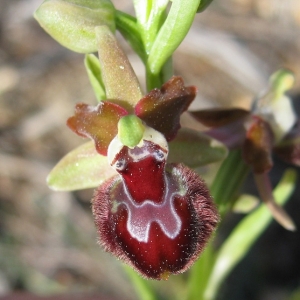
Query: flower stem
point(157, 80)
point(142, 287)
point(224, 189)
point(199, 274)
point(228, 181)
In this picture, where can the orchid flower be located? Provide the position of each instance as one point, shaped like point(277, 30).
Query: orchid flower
point(271, 125)
point(154, 215)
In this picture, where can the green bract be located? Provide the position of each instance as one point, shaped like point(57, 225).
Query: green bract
point(171, 33)
point(130, 130)
point(93, 69)
point(72, 22)
point(203, 5)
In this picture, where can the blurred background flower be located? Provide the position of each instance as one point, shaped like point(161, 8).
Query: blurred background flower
point(47, 239)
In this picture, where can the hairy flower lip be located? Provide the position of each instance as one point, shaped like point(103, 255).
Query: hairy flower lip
point(161, 255)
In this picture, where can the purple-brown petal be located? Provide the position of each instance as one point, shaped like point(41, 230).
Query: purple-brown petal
point(156, 239)
point(289, 154)
point(161, 108)
point(217, 117)
point(257, 148)
point(97, 122)
point(289, 148)
point(232, 135)
point(264, 187)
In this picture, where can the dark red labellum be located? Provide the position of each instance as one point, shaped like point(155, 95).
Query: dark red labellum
point(155, 217)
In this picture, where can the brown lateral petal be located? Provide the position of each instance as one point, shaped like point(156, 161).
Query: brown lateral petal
point(161, 108)
point(289, 154)
point(289, 148)
point(97, 122)
point(217, 117)
point(232, 135)
point(257, 148)
point(265, 191)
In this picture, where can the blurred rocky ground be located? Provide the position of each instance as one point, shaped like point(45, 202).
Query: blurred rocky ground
point(47, 239)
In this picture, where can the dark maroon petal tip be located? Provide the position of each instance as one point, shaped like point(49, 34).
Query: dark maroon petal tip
point(97, 122)
point(289, 154)
point(257, 148)
point(161, 108)
point(156, 239)
point(289, 147)
point(217, 117)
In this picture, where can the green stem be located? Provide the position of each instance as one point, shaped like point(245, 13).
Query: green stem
point(200, 274)
point(228, 181)
point(224, 190)
point(152, 80)
point(157, 80)
point(142, 288)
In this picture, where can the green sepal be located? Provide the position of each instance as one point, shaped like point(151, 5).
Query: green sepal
point(92, 66)
point(121, 84)
point(81, 168)
point(72, 22)
point(130, 130)
point(276, 107)
point(195, 149)
point(281, 81)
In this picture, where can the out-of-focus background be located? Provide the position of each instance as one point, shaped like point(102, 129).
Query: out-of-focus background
point(47, 239)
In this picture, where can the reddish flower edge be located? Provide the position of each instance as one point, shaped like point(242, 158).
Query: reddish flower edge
point(161, 108)
point(203, 222)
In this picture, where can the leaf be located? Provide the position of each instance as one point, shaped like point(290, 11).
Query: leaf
point(245, 203)
point(82, 168)
point(195, 149)
point(92, 66)
point(237, 245)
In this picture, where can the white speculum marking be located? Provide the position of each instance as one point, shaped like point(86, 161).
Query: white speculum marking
point(140, 217)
